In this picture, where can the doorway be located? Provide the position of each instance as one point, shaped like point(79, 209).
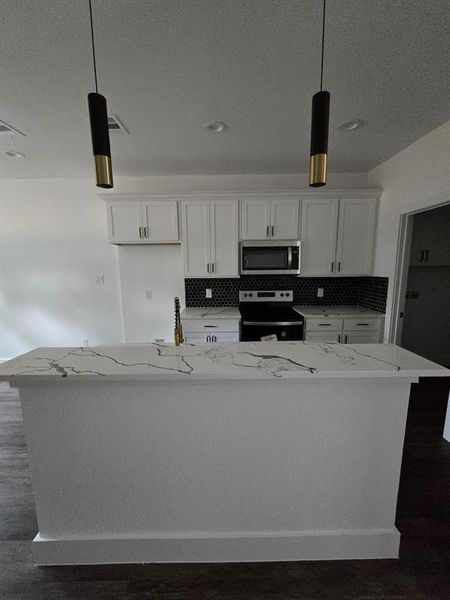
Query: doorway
point(422, 303)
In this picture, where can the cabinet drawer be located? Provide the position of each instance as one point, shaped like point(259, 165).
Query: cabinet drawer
point(323, 336)
point(318, 324)
point(362, 324)
point(212, 326)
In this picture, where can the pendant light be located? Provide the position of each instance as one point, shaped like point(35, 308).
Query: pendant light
point(319, 127)
point(98, 116)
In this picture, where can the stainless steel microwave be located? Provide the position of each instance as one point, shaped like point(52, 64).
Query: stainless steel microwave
point(271, 257)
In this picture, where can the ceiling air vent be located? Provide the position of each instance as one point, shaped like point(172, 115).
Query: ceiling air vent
point(115, 125)
point(7, 132)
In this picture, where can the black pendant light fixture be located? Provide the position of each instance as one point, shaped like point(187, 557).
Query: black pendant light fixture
point(98, 116)
point(319, 127)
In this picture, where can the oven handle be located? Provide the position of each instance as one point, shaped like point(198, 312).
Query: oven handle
point(271, 323)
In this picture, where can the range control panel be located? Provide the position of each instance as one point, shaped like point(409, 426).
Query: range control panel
point(266, 296)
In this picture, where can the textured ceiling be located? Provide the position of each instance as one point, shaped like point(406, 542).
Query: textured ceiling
point(168, 66)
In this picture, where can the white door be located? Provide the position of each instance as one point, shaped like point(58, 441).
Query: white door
point(255, 219)
point(319, 230)
point(356, 233)
point(361, 337)
point(323, 336)
point(284, 219)
point(196, 238)
point(161, 221)
point(224, 238)
point(124, 222)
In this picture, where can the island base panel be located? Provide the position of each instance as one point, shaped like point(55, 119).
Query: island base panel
point(215, 470)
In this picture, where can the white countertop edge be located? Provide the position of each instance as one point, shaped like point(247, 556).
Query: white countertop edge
point(388, 377)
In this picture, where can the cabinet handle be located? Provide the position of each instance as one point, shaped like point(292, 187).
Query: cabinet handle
point(214, 339)
point(213, 267)
point(267, 231)
point(362, 324)
point(345, 339)
point(339, 266)
point(324, 324)
point(332, 265)
point(207, 268)
point(273, 230)
point(140, 232)
point(208, 338)
point(211, 326)
point(146, 232)
point(339, 338)
point(421, 255)
point(426, 255)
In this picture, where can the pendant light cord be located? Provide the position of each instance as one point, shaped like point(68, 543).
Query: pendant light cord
point(323, 43)
point(93, 46)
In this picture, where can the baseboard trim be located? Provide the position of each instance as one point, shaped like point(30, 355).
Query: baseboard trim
point(341, 545)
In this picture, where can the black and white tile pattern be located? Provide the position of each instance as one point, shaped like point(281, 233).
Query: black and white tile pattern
point(369, 292)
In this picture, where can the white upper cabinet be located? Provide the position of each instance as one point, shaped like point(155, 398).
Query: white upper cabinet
point(319, 233)
point(270, 218)
point(196, 238)
point(224, 238)
point(284, 218)
point(160, 220)
point(337, 236)
point(255, 219)
point(356, 233)
point(124, 222)
point(210, 238)
point(143, 222)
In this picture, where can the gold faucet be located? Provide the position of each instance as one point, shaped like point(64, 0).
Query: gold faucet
point(178, 331)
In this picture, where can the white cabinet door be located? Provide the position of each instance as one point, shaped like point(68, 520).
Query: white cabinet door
point(255, 219)
point(124, 222)
point(356, 236)
point(195, 338)
point(284, 219)
point(319, 228)
point(323, 336)
point(361, 337)
point(161, 221)
point(224, 238)
point(196, 238)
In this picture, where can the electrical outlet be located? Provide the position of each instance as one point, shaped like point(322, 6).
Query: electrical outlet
point(320, 292)
point(160, 340)
point(100, 280)
point(208, 293)
point(85, 343)
point(148, 294)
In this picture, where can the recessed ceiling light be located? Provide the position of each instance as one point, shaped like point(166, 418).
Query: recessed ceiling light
point(351, 125)
point(14, 154)
point(216, 126)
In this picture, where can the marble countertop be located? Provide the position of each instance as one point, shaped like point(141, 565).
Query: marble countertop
point(211, 312)
point(240, 360)
point(337, 311)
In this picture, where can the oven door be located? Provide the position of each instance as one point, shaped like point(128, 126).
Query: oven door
point(259, 258)
point(253, 331)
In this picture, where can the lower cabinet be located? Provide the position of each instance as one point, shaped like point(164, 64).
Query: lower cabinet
point(206, 331)
point(352, 330)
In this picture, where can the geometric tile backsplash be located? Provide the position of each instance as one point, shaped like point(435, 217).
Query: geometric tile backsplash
point(370, 292)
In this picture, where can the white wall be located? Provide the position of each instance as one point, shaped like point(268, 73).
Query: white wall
point(53, 245)
point(416, 178)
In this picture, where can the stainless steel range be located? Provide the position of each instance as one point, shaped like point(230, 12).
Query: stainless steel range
point(269, 315)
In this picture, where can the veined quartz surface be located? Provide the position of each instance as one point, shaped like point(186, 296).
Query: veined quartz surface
point(211, 312)
point(240, 360)
point(337, 311)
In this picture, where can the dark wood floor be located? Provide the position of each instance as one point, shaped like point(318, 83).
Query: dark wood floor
point(422, 573)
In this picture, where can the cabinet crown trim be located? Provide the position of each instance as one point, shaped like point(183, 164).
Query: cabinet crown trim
point(215, 195)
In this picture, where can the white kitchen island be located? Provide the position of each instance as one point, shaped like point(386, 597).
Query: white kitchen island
point(219, 452)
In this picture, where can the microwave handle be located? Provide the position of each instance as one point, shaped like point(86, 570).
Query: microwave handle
point(289, 257)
